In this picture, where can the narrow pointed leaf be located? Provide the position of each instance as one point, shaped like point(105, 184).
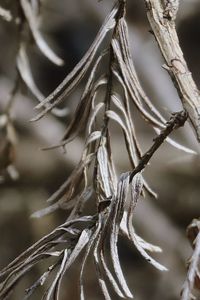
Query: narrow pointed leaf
point(41, 43)
point(73, 78)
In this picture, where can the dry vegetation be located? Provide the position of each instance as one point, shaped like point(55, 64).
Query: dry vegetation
point(98, 199)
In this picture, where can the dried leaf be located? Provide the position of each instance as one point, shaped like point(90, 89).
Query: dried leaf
point(136, 190)
point(73, 78)
point(131, 147)
point(132, 143)
point(144, 253)
point(88, 249)
point(24, 69)
point(128, 139)
point(102, 158)
point(38, 246)
point(81, 116)
point(100, 275)
point(176, 144)
point(46, 211)
point(131, 88)
point(118, 208)
point(125, 47)
point(79, 122)
point(82, 242)
point(15, 275)
point(110, 277)
point(39, 282)
point(33, 24)
point(147, 246)
point(51, 290)
point(128, 111)
point(95, 135)
point(93, 115)
point(114, 116)
point(76, 176)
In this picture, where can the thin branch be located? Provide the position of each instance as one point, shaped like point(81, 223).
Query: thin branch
point(177, 120)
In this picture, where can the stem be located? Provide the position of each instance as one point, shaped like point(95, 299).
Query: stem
point(177, 120)
point(120, 14)
point(162, 21)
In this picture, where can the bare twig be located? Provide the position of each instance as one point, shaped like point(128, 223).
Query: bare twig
point(161, 18)
point(176, 121)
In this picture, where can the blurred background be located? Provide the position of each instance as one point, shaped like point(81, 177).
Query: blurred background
point(70, 27)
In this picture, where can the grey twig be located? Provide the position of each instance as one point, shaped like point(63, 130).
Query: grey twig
point(177, 120)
